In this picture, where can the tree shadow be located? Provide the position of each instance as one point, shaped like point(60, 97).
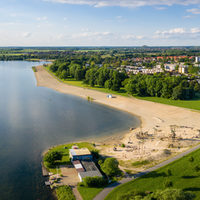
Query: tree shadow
point(155, 174)
point(188, 177)
point(192, 189)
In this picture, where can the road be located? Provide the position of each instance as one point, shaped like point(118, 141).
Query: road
point(109, 188)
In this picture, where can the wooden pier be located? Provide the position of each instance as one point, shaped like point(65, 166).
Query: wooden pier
point(44, 170)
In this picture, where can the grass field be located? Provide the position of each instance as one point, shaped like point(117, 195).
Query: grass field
point(65, 193)
point(185, 175)
point(88, 193)
point(192, 104)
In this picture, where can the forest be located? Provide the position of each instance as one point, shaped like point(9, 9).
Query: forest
point(158, 85)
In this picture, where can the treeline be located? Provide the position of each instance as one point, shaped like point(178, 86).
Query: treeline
point(113, 56)
point(158, 85)
point(92, 75)
point(34, 55)
point(161, 85)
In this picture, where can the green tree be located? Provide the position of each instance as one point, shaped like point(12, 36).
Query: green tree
point(90, 76)
point(51, 157)
point(64, 74)
point(110, 167)
point(177, 93)
point(78, 75)
point(108, 84)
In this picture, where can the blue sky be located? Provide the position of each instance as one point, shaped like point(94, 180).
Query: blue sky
point(99, 22)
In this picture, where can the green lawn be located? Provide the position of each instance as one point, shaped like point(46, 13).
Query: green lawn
point(65, 193)
point(64, 149)
point(184, 176)
point(192, 104)
point(88, 193)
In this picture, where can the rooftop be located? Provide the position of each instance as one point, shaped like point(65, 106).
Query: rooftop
point(77, 164)
point(90, 169)
point(89, 166)
point(79, 152)
point(90, 174)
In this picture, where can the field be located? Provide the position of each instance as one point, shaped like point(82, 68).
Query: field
point(64, 193)
point(184, 174)
point(192, 104)
point(88, 193)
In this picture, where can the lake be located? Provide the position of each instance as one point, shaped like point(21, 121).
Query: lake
point(34, 118)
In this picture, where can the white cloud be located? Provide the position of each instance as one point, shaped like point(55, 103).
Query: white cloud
point(187, 16)
point(171, 31)
point(195, 11)
point(195, 30)
point(91, 35)
point(177, 33)
point(127, 3)
point(26, 34)
point(44, 18)
point(160, 8)
point(119, 17)
point(132, 37)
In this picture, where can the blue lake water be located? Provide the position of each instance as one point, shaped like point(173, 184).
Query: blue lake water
point(33, 118)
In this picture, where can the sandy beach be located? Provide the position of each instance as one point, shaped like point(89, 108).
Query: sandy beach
point(165, 130)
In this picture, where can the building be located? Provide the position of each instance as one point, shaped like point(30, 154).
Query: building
point(80, 154)
point(82, 161)
point(197, 59)
point(88, 169)
point(183, 69)
point(170, 67)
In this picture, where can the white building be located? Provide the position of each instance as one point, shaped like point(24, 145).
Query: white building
point(170, 67)
point(183, 69)
point(197, 59)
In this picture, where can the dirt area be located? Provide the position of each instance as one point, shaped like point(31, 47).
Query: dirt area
point(70, 176)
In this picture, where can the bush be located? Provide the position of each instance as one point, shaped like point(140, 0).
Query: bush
point(51, 157)
point(167, 152)
point(100, 162)
point(65, 193)
point(197, 168)
point(139, 163)
point(170, 194)
point(110, 167)
point(123, 145)
point(34, 69)
point(94, 181)
point(191, 159)
point(168, 183)
point(169, 172)
point(128, 171)
point(167, 194)
point(134, 195)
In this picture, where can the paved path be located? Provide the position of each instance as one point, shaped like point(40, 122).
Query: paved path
point(109, 188)
point(76, 193)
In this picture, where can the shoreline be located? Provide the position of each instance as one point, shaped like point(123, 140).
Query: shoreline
point(156, 119)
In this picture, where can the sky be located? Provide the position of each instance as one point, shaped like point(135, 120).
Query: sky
point(99, 22)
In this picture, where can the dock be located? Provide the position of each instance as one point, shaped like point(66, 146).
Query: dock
point(44, 170)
